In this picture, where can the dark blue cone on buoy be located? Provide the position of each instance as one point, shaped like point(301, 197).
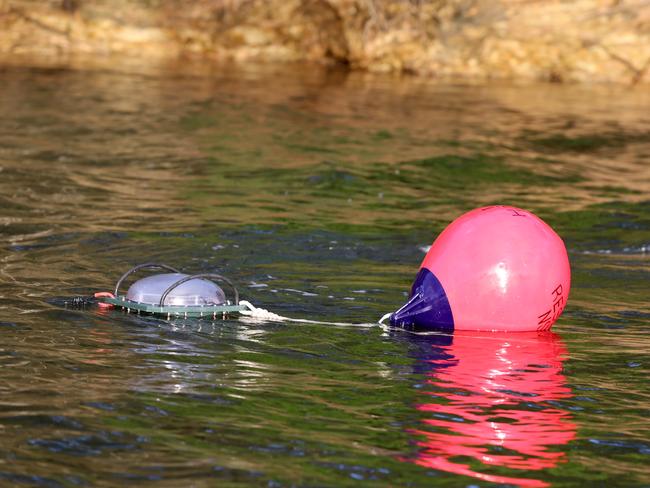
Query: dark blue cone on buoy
point(427, 306)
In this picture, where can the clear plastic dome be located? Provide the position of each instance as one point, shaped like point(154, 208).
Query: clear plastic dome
point(193, 292)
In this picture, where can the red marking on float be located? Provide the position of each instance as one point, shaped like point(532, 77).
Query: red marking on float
point(100, 294)
point(547, 319)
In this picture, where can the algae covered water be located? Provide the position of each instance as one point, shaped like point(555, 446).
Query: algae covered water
point(317, 192)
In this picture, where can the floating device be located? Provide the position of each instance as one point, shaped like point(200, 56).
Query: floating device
point(174, 294)
point(494, 268)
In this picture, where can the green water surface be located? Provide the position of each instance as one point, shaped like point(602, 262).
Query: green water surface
point(318, 192)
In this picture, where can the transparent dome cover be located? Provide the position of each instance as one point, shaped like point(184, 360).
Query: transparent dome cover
point(193, 292)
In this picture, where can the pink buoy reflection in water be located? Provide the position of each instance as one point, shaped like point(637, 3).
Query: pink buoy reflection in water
point(494, 406)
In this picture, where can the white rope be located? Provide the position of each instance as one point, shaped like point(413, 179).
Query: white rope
point(263, 314)
point(384, 317)
point(254, 313)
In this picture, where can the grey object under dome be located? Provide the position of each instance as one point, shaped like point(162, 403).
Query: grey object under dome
point(196, 291)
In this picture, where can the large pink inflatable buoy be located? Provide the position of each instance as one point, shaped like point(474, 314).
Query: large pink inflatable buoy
point(494, 268)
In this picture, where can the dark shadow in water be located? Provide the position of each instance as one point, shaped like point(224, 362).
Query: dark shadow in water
point(489, 405)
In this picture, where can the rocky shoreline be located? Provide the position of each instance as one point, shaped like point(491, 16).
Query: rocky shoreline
point(590, 41)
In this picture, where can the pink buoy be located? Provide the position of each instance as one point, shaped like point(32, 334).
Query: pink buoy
point(494, 268)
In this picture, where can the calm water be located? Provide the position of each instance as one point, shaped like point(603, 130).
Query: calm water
point(317, 192)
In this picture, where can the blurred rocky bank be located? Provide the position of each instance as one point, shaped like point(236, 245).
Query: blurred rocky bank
point(554, 40)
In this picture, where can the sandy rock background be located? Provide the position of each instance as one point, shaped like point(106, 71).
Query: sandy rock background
point(574, 41)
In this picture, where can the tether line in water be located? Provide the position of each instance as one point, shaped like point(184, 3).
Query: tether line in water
point(262, 313)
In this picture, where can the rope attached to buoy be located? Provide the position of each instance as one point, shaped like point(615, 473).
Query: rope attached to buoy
point(263, 314)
